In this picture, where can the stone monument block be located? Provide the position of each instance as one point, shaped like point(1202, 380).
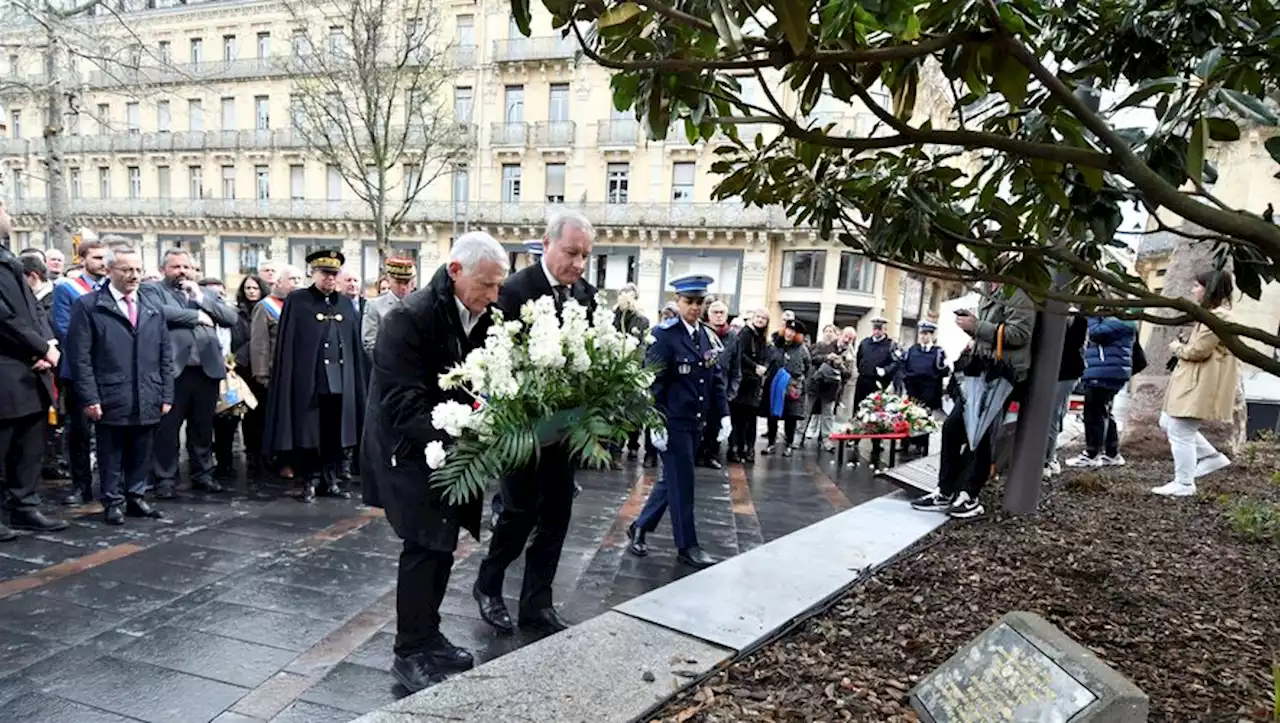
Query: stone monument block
point(1025, 670)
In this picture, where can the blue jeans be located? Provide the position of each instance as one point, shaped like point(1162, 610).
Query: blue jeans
point(1061, 401)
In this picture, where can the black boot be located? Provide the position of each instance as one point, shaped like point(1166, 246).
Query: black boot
point(34, 519)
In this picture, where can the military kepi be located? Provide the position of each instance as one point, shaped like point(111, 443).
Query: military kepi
point(693, 286)
point(928, 326)
point(400, 269)
point(879, 322)
point(330, 260)
point(533, 247)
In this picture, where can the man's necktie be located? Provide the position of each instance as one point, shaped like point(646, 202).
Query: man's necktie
point(133, 310)
point(561, 292)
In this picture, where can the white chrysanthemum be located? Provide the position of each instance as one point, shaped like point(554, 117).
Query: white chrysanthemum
point(436, 455)
point(453, 378)
point(544, 342)
point(451, 417)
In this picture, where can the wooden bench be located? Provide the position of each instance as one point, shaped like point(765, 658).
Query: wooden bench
point(842, 439)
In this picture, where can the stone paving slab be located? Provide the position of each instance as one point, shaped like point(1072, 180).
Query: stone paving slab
point(603, 661)
point(739, 602)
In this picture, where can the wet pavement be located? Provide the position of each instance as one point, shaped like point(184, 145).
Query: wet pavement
point(252, 607)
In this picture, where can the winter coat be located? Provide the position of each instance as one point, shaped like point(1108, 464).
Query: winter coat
point(1072, 366)
point(877, 354)
point(422, 338)
point(1017, 314)
point(126, 370)
point(751, 351)
point(1203, 384)
point(795, 359)
point(1108, 354)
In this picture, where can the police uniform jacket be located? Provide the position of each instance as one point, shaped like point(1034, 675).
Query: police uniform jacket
point(690, 384)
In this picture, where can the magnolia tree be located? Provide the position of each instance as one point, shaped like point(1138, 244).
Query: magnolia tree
point(1028, 174)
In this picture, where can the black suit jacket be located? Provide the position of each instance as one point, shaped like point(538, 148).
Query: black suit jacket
point(24, 339)
point(531, 283)
point(553, 465)
point(185, 330)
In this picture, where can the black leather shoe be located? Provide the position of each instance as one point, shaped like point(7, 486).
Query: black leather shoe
point(637, 545)
point(139, 508)
point(546, 620)
point(714, 463)
point(444, 655)
point(207, 486)
point(416, 672)
point(308, 491)
point(650, 462)
point(333, 489)
point(114, 515)
point(493, 610)
point(75, 498)
point(633, 453)
point(34, 520)
point(695, 557)
point(7, 535)
point(166, 492)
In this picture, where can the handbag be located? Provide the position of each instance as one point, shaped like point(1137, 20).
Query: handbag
point(234, 395)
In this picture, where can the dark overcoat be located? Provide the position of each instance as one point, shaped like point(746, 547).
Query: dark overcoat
point(293, 400)
point(24, 338)
point(418, 340)
point(126, 370)
point(750, 349)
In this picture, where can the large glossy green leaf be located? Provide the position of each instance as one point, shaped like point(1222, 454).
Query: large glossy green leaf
point(1196, 150)
point(1010, 80)
point(793, 17)
point(1149, 89)
point(1272, 145)
point(1223, 130)
point(619, 14)
point(1247, 106)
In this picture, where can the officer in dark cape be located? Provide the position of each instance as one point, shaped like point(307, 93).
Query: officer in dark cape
point(315, 402)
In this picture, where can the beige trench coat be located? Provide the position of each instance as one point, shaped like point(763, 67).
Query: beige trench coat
point(1203, 385)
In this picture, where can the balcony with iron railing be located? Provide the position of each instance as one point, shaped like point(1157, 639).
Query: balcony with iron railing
point(548, 47)
point(623, 132)
point(669, 215)
point(509, 135)
point(554, 134)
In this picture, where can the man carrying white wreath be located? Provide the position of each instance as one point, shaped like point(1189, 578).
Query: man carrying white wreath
point(426, 335)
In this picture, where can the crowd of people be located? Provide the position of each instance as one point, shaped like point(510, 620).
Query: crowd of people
point(101, 360)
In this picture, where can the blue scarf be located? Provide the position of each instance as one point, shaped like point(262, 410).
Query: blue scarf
point(778, 392)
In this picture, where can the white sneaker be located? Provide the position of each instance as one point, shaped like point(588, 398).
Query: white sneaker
point(1053, 469)
point(1108, 461)
point(1084, 460)
point(1209, 465)
point(934, 501)
point(1174, 489)
point(965, 507)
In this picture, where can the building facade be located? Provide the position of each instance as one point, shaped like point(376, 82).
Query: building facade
point(193, 145)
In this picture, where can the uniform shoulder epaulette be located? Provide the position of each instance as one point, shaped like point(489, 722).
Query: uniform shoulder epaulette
point(669, 323)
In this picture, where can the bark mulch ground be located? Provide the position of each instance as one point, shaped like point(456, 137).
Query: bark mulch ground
point(1168, 592)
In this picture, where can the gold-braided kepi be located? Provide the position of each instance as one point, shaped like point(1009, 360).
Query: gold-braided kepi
point(401, 269)
point(326, 260)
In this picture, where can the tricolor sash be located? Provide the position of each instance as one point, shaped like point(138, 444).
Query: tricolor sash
point(273, 306)
point(81, 285)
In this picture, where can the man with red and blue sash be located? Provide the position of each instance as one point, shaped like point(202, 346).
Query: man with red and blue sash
point(79, 430)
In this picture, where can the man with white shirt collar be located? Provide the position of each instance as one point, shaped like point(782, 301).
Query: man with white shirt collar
point(538, 499)
point(119, 347)
point(423, 336)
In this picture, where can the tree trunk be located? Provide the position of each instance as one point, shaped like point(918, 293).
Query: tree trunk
point(1142, 434)
point(58, 219)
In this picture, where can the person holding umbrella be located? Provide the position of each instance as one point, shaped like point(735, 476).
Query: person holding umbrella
point(994, 373)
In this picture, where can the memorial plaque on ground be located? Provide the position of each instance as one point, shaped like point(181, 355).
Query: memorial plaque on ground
point(1024, 670)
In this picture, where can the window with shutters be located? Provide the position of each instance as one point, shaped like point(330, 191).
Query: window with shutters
point(555, 182)
point(617, 180)
point(511, 183)
point(682, 175)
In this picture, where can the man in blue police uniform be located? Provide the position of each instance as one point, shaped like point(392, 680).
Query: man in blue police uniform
point(689, 387)
point(924, 366)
